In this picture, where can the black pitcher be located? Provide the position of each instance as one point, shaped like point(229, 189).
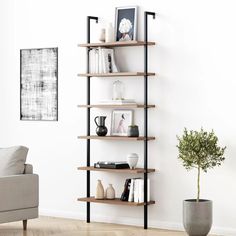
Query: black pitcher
point(101, 129)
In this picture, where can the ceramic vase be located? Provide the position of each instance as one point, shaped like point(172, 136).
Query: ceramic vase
point(110, 192)
point(101, 129)
point(102, 36)
point(133, 131)
point(109, 35)
point(99, 190)
point(132, 160)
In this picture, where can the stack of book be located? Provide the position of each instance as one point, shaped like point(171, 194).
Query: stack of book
point(102, 60)
point(134, 190)
point(111, 165)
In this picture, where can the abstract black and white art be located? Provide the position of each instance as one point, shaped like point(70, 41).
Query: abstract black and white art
point(39, 84)
point(126, 23)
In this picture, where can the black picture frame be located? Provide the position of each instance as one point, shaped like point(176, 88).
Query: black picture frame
point(126, 23)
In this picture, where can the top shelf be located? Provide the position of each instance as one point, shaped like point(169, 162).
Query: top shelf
point(116, 44)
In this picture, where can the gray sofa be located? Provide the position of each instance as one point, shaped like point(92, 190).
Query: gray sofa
point(19, 194)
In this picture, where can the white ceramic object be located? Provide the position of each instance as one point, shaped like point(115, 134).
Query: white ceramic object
point(109, 35)
point(102, 34)
point(99, 190)
point(118, 90)
point(132, 160)
point(110, 192)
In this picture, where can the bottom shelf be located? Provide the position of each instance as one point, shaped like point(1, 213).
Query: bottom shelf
point(116, 201)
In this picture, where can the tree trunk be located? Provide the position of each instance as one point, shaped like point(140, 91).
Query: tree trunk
point(198, 183)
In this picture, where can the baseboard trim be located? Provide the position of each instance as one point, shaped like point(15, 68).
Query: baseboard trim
point(220, 231)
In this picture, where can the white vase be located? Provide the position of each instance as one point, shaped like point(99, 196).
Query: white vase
point(132, 160)
point(109, 35)
point(102, 34)
point(110, 192)
point(99, 190)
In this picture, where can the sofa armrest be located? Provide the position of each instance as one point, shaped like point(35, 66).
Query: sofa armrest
point(28, 169)
point(19, 192)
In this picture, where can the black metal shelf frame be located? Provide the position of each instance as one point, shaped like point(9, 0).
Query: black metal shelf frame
point(89, 19)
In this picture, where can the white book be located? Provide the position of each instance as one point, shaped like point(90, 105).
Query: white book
point(141, 191)
point(92, 61)
point(108, 62)
point(136, 190)
point(114, 66)
point(100, 61)
point(96, 61)
point(131, 191)
point(105, 60)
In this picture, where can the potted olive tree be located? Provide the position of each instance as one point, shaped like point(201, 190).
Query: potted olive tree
point(199, 150)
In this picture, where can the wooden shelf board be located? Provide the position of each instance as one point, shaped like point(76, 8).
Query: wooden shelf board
point(116, 106)
point(116, 44)
point(116, 74)
point(130, 171)
point(116, 201)
point(140, 138)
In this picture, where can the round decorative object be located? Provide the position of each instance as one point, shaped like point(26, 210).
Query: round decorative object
point(118, 90)
point(133, 131)
point(197, 216)
point(132, 160)
point(110, 192)
point(99, 190)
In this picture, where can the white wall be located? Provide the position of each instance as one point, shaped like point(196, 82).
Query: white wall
point(194, 59)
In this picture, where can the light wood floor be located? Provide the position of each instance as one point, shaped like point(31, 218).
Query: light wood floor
point(45, 226)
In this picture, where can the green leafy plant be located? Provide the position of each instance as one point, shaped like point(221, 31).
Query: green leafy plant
point(200, 150)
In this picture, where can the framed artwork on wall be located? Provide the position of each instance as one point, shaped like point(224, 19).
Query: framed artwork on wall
point(120, 120)
point(39, 84)
point(126, 23)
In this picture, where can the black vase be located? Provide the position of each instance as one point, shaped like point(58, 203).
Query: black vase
point(101, 129)
point(133, 131)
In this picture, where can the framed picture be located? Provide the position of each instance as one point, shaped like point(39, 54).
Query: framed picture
point(120, 120)
point(126, 23)
point(39, 84)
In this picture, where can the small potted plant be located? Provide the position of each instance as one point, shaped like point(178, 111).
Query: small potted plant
point(199, 150)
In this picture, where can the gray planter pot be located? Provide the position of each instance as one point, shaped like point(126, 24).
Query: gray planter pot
point(197, 217)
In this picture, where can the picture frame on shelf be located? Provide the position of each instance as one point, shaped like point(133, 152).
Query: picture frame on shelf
point(126, 23)
point(120, 121)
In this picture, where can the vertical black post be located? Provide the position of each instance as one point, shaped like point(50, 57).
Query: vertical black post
point(146, 116)
point(89, 18)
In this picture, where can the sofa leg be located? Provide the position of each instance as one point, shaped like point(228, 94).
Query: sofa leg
point(24, 224)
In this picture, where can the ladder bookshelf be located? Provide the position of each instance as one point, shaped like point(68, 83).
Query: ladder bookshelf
point(145, 138)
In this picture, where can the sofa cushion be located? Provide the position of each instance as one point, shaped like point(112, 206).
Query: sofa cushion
point(12, 160)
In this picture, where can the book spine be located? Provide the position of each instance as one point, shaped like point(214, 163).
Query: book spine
point(91, 61)
point(96, 61)
point(125, 194)
point(141, 191)
point(136, 190)
point(131, 192)
point(100, 61)
point(114, 66)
